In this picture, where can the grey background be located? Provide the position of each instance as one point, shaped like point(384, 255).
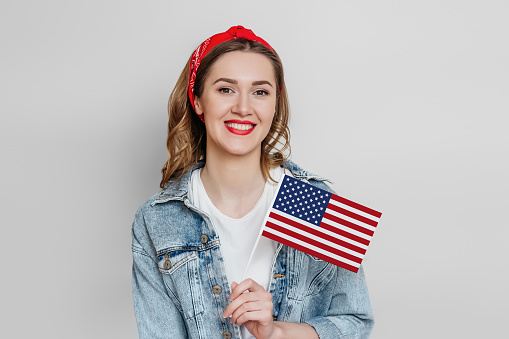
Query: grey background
point(403, 104)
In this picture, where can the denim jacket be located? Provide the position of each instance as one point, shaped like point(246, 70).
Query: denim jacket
point(181, 290)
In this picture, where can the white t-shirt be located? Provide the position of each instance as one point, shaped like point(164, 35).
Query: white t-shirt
point(238, 236)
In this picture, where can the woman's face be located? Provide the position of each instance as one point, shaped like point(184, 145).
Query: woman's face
point(238, 103)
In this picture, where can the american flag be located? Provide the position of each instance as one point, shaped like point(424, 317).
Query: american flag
point(321, 224)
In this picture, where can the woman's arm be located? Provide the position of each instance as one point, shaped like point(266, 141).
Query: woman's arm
point(156, 314)
point(283, 329)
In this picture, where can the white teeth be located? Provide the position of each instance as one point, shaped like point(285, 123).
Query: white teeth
point(242, 127)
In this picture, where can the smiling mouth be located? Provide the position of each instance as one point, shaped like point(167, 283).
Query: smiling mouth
point(239, 128)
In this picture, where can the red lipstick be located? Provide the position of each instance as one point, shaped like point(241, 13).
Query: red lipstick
point(233, 126)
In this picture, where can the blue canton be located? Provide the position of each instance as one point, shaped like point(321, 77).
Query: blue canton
point(302, 200)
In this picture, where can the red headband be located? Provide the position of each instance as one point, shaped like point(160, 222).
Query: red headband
point(235, 32)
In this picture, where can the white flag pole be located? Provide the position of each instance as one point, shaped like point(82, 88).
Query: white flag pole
point(262, 227)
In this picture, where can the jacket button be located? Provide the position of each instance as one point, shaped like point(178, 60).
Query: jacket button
point(204, 238)
point(227, 335)
point(216, 289)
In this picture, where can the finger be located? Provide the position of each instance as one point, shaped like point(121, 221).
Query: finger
point(242, 299)
point(256, 311)
point(247, 298)
point(245, 285)
point(263, 317)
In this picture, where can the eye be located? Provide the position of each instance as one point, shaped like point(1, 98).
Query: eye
point(225, 90)
point(261, 92)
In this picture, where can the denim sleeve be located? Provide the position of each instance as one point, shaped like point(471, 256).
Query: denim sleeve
point(156, 314)
point(349, 315)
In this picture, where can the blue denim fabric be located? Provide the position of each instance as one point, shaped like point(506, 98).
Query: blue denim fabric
point(181, 290)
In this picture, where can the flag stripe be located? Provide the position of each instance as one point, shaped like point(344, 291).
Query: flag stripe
point(322, 241)
point(354, 210)
point(353, 221)
point(348, 224)
point(311, 247)
point(344, 233)
point(335, 230)
point(315, 230)
point(357, 206)
point(310, 251)
point(309, 241)
point(352, 215)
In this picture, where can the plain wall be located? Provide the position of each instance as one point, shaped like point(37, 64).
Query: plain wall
point(403, 104)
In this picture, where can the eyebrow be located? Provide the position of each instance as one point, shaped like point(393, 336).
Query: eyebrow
point(254, 83)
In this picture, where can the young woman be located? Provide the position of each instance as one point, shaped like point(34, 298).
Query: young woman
point(228, 113)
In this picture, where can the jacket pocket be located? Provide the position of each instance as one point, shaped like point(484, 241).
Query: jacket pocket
point(180, 272)
point(320, 272)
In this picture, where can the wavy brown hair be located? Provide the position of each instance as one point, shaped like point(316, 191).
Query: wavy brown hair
point(187, 136)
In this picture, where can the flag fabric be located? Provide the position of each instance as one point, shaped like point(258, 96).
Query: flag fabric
point(320, 223)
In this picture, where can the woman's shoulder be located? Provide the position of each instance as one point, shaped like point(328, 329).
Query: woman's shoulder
point(175, 190)
point(314, 179)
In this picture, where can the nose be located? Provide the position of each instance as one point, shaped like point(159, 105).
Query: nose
point(243, 105)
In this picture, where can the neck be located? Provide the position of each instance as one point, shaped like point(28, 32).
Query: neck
point(232, 174)
point(233, 183)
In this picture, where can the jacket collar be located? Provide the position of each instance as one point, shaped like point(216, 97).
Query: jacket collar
point(176, 189)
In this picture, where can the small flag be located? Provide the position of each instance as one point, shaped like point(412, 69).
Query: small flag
point(320, 223)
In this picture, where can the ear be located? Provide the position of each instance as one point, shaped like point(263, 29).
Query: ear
point(197, 106)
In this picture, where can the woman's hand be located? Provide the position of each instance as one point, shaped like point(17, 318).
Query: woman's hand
point(252, 306)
